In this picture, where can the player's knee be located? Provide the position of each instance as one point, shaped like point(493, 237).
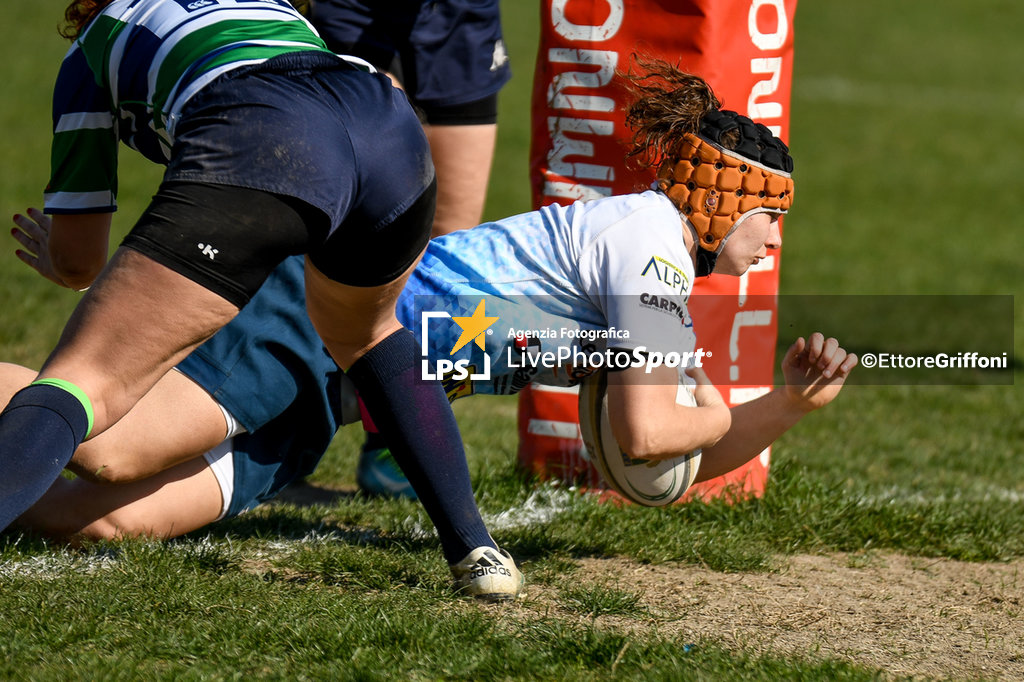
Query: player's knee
point(106, 468)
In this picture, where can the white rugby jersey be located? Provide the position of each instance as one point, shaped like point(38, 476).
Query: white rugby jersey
point(615, 270)
point(128, 75)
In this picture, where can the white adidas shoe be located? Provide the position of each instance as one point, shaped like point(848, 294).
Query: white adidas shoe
point(489, 574)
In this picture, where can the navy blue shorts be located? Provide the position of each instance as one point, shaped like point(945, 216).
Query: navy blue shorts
point(445, 53)
point(339, 154)
point(270, 370)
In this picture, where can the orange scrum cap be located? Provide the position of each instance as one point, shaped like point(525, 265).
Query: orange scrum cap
point(716, 187)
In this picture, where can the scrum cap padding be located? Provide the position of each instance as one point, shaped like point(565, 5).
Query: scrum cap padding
point(713, 186)
point(756, 141)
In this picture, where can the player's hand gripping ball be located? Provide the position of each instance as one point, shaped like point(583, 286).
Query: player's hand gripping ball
point(652, 483)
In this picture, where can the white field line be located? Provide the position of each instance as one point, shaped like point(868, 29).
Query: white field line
point(277, 548)
point(542, 506)
point(53, 566)
point(934, 98)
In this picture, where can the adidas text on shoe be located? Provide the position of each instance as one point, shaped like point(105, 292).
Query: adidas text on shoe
point(489, 574)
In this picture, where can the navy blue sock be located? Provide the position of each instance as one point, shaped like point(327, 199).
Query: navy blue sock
point(39, 432)
point(415, 419)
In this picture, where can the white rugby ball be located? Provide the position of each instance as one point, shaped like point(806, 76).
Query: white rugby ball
point(652, 483)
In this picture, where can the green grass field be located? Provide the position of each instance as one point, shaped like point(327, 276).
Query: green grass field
point(907, 131)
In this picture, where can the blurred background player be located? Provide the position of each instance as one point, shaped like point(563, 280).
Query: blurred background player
point(449, 57)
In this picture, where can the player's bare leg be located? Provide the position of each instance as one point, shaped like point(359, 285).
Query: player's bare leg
point(173, 502)
point(462, 158)
point(174, 422)
point(359, 328)
point(137, 321)
point(351, 320)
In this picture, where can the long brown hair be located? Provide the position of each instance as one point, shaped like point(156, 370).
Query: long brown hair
point(668, 104)
point(78, 14)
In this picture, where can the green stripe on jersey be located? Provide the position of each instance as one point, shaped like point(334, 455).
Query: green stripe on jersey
point(87, 158)
point(207, 40)
point(96, 42)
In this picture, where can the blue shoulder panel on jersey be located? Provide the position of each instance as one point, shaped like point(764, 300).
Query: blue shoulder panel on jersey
point(76, 90)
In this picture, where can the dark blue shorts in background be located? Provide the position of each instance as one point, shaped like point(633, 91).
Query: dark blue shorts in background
point(445, 53)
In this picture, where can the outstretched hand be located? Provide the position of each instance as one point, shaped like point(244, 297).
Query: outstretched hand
point(815, 371)
point(33, 233)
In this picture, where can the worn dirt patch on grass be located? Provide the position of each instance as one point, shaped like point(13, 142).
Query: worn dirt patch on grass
point(907, 616)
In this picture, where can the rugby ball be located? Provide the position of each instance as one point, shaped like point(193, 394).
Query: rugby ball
point(652, 483)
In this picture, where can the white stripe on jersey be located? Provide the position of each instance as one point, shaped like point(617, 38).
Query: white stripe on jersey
point(117, 47)
point(195, 23)
point(62, 201)
point(169, 22)
point(84, 121)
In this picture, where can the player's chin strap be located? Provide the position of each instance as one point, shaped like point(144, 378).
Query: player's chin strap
point(714, 188)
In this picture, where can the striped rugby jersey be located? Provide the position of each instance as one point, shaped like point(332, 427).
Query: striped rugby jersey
point(129, 74)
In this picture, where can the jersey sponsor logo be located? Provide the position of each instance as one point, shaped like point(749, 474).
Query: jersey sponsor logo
point(193, 5)
point(666, 305)
point(474, 328)
point(664, 271)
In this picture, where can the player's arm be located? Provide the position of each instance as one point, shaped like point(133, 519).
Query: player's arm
point(815, 371)
point(78, 247)
point(649, 424)
point(69, 250)
point(638, 266)
point(80, 194)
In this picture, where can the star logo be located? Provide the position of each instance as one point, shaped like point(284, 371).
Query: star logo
point(473, 328)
